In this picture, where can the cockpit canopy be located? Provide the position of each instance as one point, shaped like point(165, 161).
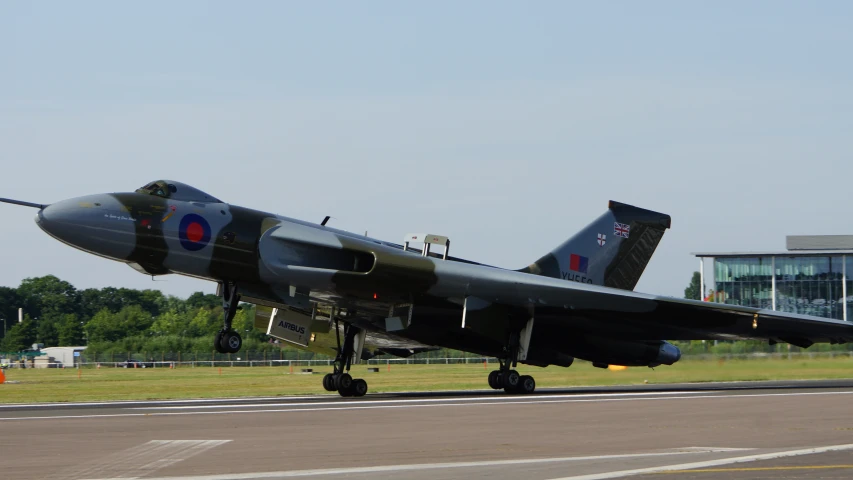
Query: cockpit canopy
point(176, 191)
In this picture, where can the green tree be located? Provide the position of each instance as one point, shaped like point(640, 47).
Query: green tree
point(46, 331)
point(114, 299)
point(205, 322)
point(9, 304)
point(127, 322)
point(153, 301)
point(93, 300)
point(21, 336)
point(244, 323)
point(70, 331)
point(171, 322)
point(201, 300)
point(694, 290)
point(48, 295)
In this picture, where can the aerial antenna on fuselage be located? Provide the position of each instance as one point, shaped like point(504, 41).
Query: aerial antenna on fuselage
point(323, 223)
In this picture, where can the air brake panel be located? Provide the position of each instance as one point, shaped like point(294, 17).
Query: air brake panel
point(297, 329)
point(290, 326)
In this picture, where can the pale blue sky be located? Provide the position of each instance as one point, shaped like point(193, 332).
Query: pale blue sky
point(505, 125)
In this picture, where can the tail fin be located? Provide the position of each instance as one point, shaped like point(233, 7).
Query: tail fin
point(612, 251)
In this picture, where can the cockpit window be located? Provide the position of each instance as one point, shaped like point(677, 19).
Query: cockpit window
point(177, 191)
point(160, 189)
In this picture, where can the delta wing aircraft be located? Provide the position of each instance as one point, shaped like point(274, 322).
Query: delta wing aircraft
point(353, 297)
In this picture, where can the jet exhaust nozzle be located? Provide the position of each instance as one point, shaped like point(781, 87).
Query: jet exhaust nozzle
point(667, 354)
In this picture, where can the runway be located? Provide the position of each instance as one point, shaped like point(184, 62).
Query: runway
point(794, 430)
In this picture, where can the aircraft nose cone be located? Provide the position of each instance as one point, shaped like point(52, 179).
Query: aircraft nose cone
point(56, 218)
point(87, 223)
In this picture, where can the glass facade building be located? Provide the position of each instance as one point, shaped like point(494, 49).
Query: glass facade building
point(809, 282)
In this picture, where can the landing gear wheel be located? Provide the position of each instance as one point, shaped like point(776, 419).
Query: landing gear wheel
point(511, 380)
point(359, 388)
point(329, 382)
point(217, 342)
point(526, 384)
point(230, 342)
point(343, 383)
point(495, 379)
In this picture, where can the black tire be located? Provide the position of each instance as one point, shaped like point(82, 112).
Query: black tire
point(217, 342)
point(511, 379)
point(359, 388)
point(526, 384)
point(231, 342)
point(343, 383)
point(329, 382)
point(346, 392)
point(495, 379)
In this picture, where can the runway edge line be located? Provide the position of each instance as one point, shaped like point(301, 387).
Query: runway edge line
point(710, 463)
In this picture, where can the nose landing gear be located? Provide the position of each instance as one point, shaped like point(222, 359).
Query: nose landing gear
point(227, 340)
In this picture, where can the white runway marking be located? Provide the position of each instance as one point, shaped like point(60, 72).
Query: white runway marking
point(710, 463)
point(143, 459)
point(422, 466)
point(388, 404)
point(11, 406)
point(416, 400)
point(715, 449)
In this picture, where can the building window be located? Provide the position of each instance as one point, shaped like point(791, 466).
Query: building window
point(743, 281)
point(849, 288)
point(810, 286)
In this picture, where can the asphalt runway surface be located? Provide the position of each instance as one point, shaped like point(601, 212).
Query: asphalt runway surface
point(791, 430)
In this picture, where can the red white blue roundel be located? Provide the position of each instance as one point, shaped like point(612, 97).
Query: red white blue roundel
point(194, 232)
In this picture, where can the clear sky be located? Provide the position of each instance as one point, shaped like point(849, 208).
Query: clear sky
point(504, 125)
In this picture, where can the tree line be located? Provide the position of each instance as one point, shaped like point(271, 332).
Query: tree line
point(115, 319)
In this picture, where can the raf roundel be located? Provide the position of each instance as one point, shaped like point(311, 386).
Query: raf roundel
point(194, 232)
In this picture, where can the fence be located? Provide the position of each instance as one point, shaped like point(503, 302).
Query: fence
point(327, 362)
point(220, 362)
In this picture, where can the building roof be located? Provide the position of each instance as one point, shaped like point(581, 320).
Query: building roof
point(798, 246)
point(782, 253)
point(819, 242)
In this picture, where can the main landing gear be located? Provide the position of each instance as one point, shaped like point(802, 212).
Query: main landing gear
point(510, 381)
point(507, 378)
point(227, 340)
point(340, 380)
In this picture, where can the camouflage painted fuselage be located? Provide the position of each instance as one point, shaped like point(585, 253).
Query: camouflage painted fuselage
point(580, 294)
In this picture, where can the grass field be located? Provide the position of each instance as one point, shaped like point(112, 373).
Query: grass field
point(57, 385)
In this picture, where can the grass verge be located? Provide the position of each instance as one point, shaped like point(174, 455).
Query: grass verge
point(70, 385)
